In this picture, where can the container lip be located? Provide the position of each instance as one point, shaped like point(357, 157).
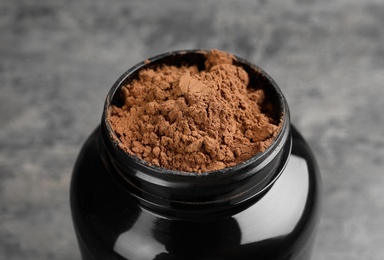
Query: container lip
point(233, 185)
point(284, 117)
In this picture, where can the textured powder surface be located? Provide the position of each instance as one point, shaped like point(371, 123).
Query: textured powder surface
point(184, 119)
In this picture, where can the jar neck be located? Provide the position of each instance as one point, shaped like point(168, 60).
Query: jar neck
point(193, 195)
point(197, 195)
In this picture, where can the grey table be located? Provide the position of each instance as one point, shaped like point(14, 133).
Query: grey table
point(58, 60)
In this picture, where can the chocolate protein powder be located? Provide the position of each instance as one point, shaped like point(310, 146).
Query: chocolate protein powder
point(188, 120)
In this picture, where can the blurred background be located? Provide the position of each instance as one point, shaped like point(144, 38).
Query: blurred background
point(58, 59)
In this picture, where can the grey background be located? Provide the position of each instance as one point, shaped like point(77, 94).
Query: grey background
point(58, 60)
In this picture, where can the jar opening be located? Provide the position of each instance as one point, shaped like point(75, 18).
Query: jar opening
point(167, 189)
point(197, 147)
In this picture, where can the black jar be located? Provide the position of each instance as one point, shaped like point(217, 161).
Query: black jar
point(264, 208)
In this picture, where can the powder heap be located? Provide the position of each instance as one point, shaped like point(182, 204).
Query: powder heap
point(188, 120)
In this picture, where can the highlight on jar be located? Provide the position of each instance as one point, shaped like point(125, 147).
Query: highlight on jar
point(195, 158)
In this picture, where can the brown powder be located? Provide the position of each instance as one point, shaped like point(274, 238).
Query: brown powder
point(184, 119)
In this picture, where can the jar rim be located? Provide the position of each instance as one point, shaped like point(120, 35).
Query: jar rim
point(126, 77)
point(234, 184)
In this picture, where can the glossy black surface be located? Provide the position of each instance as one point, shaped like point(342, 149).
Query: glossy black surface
point(263, 208)
point(112, 224)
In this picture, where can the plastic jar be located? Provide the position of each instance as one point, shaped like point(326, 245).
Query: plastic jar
point(264, 208)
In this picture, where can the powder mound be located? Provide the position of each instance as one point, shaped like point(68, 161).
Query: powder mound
point(184, 119)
